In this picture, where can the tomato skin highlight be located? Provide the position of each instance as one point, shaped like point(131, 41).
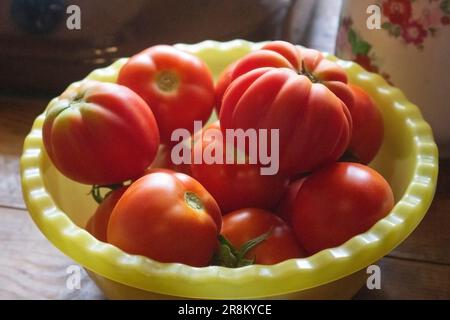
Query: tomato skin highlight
point(314, 124)
point(368, 126)
point(168, 217)
point(100, 133)
point(236, 186)
point(337, 203)
point(243, 225)
point(97, 225)
point(177, 86)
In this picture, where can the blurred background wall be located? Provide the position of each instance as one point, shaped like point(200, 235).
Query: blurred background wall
point(39, 53)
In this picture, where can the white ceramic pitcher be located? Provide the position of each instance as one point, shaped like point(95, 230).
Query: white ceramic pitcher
point(411, 50)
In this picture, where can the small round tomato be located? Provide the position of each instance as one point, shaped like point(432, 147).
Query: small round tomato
point(100, 133)
point(177, 86)
point(98, 223)
point(314, 125)
point(243, 225)
point(235, 186)
point(337, 203)
point(368, 127)
point(166, 216)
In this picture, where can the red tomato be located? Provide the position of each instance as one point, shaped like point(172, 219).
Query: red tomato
point(236, 186)
point(166, 216)
point(282, 54)
point(163, 160)
point(222, 85)
point(177, 86)
point(286, 206)
point(100, 133)
point(243, 225)
point(368, 128)
point(314, 125)
point(98, 223)
point(337, 203)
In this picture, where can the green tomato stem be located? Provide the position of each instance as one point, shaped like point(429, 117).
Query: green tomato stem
point(230, 257)
point(96, 191)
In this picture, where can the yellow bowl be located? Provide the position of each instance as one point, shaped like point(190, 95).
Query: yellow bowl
point(408, 159)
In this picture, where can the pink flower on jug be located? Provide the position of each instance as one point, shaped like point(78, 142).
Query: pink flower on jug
point(398, 11)
point(414, 32)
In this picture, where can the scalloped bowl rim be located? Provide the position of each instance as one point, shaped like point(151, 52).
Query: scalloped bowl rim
point(218, 282)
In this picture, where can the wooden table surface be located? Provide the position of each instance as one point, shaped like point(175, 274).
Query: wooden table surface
point(31, 268)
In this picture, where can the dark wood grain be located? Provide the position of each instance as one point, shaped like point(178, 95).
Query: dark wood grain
point(406, 279)
point(16, 117)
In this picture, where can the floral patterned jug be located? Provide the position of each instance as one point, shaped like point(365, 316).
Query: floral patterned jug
point(410, 49)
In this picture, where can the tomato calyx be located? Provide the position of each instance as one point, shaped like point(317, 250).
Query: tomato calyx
point(73, 103)
point(167, 81)
point(228, 256)
point(305, 72)
point(79, 98)
point(96, 191)
point(193, 201)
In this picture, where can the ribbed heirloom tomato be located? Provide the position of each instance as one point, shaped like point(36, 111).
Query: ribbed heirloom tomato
point(235, 186)
point(336, 203)
point(166, 216)
point(100, 133)
point(314, 124)
point(222, 84)
point(282, 54)
point(176, 85)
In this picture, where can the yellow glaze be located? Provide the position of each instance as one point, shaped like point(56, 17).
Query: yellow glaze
point(408, 159)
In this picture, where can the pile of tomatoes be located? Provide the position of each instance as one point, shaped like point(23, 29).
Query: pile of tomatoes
point(119, 137)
